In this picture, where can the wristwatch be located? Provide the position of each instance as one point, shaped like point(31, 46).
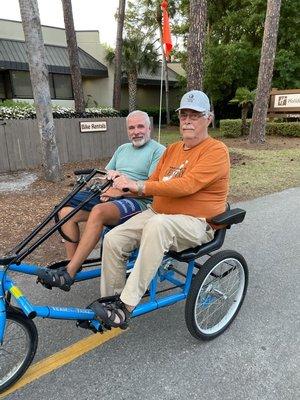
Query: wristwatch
point(140, 188)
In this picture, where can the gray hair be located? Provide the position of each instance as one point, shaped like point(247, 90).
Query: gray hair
point(142, 113)
point(210, 114)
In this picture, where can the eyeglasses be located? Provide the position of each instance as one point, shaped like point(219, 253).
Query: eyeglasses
point(192, 116)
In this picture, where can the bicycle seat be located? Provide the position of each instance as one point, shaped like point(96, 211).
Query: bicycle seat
point(225, 220)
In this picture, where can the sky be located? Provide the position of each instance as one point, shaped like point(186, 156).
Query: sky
point(87, 14)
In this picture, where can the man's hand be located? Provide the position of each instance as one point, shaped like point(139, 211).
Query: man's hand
point(122, 182)
point(111, 174)
point(111, 192)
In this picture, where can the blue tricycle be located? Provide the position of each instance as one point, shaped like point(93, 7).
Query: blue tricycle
point(214, 290)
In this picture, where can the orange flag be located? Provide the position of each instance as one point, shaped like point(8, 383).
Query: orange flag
point(167, 40)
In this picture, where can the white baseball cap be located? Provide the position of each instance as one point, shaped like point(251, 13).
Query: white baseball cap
point(195, 100)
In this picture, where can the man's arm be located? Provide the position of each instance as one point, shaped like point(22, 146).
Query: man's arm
point(211, 168)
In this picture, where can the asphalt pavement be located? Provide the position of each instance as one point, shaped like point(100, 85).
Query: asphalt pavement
point(157, 358)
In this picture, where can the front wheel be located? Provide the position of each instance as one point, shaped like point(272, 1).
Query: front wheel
point(18, 347)
point(216, 295)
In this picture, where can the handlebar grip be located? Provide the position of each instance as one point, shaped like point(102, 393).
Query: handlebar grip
point(83, 171)
point(89, 171)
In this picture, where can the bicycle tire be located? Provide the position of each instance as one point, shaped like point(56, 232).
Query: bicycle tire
point(216, 294)
point(20, 334)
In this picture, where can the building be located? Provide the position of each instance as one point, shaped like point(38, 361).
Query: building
point(97, 74)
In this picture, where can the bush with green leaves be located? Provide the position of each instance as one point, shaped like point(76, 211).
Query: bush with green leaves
point(10, 109)
point(154, 112)
point(291, 129)
point(231, 128)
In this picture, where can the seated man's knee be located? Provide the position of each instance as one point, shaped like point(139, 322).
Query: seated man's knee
point(64, 212)
point(155, 223)
point(109, 240)
point(115, 243)
point(96, 212)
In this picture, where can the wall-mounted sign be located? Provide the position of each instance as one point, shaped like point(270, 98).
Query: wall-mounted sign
point(94, 126)
point(287, 100)
point(284, 101)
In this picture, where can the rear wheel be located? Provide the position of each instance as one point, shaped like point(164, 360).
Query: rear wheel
point(18, 347)
point(216, 295)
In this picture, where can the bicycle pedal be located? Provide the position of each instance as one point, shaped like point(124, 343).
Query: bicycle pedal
point(46, 285)
point(87, 325)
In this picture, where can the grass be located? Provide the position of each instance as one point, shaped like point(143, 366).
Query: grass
point(263, 172)
point(255, 171)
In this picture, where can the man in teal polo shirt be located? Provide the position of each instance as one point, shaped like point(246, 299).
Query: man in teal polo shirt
point(137, 160)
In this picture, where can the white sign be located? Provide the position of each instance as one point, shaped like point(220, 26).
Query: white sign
point(95, 126)
point(287, 100)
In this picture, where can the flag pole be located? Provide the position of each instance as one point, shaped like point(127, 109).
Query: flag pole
point(160, 99)
point(166, 49)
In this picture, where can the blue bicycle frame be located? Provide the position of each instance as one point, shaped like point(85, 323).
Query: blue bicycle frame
point(72, 313)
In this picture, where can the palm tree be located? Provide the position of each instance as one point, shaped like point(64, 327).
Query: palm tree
point(40, 85)
point(137, 54)
point(258, 124)
point(118, 56)
point(146, 15)
point(73, 56)
point(244, 98)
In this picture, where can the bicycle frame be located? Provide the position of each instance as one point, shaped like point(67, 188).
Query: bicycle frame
point(81, 314)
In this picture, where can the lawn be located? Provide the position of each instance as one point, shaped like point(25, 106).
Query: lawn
point(256, 170)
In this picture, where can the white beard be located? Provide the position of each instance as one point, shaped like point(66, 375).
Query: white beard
point(139, 142)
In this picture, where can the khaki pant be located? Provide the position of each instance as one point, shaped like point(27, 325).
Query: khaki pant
point(154, 234)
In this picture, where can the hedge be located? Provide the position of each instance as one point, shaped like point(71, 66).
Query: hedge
point(154, 112)
point(231, 128)
point(23, 110)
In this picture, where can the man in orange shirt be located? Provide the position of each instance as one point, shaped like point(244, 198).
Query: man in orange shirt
point(189, 186)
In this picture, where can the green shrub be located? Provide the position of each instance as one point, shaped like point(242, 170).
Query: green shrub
point(22, 110)
point(231, 128)
point(154, 112)
point(283, 129)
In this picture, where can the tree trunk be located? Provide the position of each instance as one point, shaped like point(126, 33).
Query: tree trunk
point(40, 86)
point(244, 129)
point(196, 40)
point(258, 124)
point(118, 56)
point(132, 90)
point(73, 56)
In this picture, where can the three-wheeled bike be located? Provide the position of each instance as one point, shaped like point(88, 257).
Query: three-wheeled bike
point(214, 290)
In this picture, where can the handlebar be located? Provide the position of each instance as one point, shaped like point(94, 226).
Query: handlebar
point(89, 171)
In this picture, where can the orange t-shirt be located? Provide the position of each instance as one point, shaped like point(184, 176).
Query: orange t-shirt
point(193, 182)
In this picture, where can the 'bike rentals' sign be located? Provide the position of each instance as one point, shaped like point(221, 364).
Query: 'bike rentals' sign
point(95, 126)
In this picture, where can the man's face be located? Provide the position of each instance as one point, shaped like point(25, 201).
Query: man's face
point(193, 126)
point(138, 130)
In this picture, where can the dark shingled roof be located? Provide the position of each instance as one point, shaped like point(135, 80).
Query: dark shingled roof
point(153, 78)
point(13, 56)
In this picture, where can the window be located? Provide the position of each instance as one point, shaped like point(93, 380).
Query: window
point(2, 87)
point(21, 84)
point(60, 86)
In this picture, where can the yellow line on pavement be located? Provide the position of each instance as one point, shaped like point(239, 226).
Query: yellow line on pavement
point(61, 358)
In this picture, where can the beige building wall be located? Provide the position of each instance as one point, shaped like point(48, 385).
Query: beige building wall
point(149, 96)
point(101, 89)
point(13, 30)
